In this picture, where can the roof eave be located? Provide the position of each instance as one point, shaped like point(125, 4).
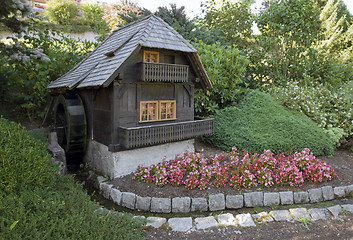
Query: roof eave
point(205, 81)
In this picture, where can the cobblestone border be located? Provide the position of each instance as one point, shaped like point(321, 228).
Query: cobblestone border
point(188, 224)
point(219, 202)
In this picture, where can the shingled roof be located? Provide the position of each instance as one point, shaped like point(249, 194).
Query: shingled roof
point(101, 66)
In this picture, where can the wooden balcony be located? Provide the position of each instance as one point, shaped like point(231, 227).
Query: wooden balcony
point(163, 72)
point(135, 137)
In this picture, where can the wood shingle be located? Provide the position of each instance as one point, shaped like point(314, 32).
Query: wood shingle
point(100, 67)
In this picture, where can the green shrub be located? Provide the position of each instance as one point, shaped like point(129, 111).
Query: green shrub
point(37, 203)
point(61, 211)
point(259, 122)
point(224, 66)
point(30, 74)
point(62, 11)
point(24, 161)
point(330, 109)
point(92, 12)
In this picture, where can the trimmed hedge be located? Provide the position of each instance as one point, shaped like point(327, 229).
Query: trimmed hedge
point(37, 203)
point(259, 122)
point(61, 211)
point(24, 160)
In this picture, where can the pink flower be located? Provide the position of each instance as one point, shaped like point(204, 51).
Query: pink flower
point(195, 171)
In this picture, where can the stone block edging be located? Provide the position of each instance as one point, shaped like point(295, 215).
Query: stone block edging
point(238, 221)
point(218, 202)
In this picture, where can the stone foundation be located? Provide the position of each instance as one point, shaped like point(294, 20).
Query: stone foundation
point(119, 164)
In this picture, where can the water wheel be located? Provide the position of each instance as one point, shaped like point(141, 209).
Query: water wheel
point(70, 124)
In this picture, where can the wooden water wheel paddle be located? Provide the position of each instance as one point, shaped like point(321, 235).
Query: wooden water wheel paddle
point(70, 124)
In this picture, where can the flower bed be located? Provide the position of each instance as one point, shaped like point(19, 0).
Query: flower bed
point(243, 170)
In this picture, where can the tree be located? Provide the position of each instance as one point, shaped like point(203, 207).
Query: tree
point(12, 12)
point(335, 49)
point(29, 61)
point(133, 16)
point(288, 29)
point(342, 8)
point(190, 29)
point(12, 15)
point(113, 13)
point(62, 11)
point(177, 19)
point(337, 33)
point(30, 74)
point(233, 19)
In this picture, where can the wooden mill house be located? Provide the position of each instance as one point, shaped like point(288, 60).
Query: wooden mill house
point(131, 100)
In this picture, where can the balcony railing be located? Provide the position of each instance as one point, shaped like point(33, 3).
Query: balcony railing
point(135, 137)
point(163, 72)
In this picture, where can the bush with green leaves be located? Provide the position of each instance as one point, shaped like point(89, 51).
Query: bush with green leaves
point(24, 161)
point(92, 12)
point(37, 203)
point(330, 109)
point(31, 72)
point(62, 11)
point(258, 122)
point(61, 210)
point(224, 66)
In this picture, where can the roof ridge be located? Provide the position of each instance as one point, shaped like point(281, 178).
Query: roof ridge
point(175, 32)
point(132, 23)
point(149, 31)
point(100, 67)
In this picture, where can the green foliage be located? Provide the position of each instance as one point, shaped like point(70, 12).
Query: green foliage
point(62, 11)
point(336, 134)
point(32, 72)
point(288, 30)
point(233, 19)
point(336, 30)
point(61, 211)
point(6, 76)
point(207, 35)
point(259, 123)
point(335, 49)
point(190, 29)
point(330, 109)
point(92, 12)
point(36, 203)
point(224, 66)
point(11, 14)
point(93, 15)
point(24, 161)
point(342, 8)
point(177, 19)
point(133, 16)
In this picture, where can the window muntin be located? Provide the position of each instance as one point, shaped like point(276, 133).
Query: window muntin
point(148, 111)
point(167, 110)
point(157, 110)
point(152, 57)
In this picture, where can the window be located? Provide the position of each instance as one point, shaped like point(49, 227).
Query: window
point(152, 57)
point(167, 110)
point(157, 110)
point(148, 111)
